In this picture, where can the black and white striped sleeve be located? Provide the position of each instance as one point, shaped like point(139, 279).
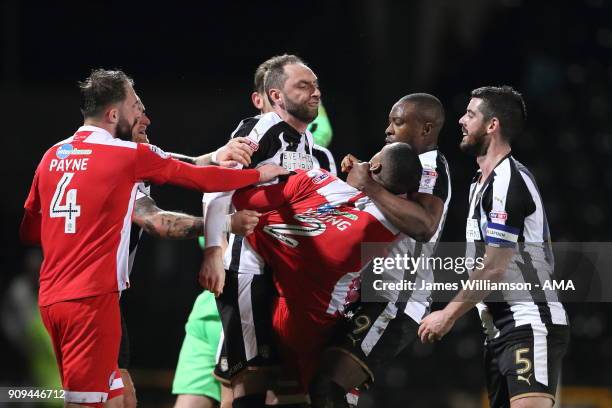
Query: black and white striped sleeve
point(506, 204)
point(435, 178)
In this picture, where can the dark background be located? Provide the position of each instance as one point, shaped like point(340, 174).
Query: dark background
point(193, 65)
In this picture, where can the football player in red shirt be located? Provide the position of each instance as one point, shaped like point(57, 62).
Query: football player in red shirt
point(311, 235)
point(147, 216)
point(79, 209)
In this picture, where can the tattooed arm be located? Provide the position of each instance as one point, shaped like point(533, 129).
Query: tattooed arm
point(165, 224)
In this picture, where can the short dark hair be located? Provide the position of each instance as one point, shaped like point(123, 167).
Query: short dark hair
point(507, 105)
point(275, 76)
point(428, 107)
point(402, 170)
point(101, 89)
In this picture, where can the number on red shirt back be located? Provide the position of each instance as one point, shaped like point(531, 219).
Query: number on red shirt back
point(70, 210)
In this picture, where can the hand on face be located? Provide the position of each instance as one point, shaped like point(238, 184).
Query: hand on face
point(348, 162)
point(359, 176)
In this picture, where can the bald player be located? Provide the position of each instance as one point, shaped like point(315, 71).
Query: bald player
point(378, 332)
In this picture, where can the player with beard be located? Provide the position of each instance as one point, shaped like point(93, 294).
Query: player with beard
point(279, 136)
point(416, 119)
point(526, 336)
point(193, 381)
point(147, 216)
point(79, 210)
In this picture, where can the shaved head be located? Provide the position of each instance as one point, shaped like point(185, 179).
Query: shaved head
point(416, 119)
point(428, 108)
point(397, 167)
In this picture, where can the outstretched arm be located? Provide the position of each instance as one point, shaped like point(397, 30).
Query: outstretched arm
point(174, 225)
point(262, 198)
point(165, 224)
point(236, 151)
point(418, 217)
point(155, 165)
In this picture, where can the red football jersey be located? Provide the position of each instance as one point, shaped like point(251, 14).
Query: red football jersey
point(311, 237)
point(84, 190)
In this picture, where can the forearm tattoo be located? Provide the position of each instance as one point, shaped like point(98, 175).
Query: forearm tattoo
point(166, 224)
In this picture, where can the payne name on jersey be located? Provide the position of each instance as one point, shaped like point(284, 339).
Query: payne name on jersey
point(65, 163)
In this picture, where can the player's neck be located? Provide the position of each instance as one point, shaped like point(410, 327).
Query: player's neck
point(495, 153)
point(291, 120)
point(426, 147)
point(106, 126)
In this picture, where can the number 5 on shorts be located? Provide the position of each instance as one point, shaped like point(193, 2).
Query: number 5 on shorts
point(70, 210)
point(524, 361)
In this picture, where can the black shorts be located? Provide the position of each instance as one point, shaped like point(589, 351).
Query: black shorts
point(221, 371)
point(124, 346)
point(376, 333)
point(525, 362)
point(246, 315)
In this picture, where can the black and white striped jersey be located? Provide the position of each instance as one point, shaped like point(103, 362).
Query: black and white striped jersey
point(143, 190)
point(323, 159)
point(274, 141)
point(434, 180)
point(506, 210)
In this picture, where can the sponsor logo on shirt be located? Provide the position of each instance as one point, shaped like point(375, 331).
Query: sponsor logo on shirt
point(252, 145)
point(498, 215)
point(492, 232)
point(67, 149)
point(428, 178)
point(320, 178)
point(314, 223)
point(325, 208)
point(330, 209)
point(296, 161)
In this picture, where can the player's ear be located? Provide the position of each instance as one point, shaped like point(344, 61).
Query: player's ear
point(427, 126)
point(275, 97)
point(257, 100)
point(376, 168)
point(112, 115)
point(493, 125)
